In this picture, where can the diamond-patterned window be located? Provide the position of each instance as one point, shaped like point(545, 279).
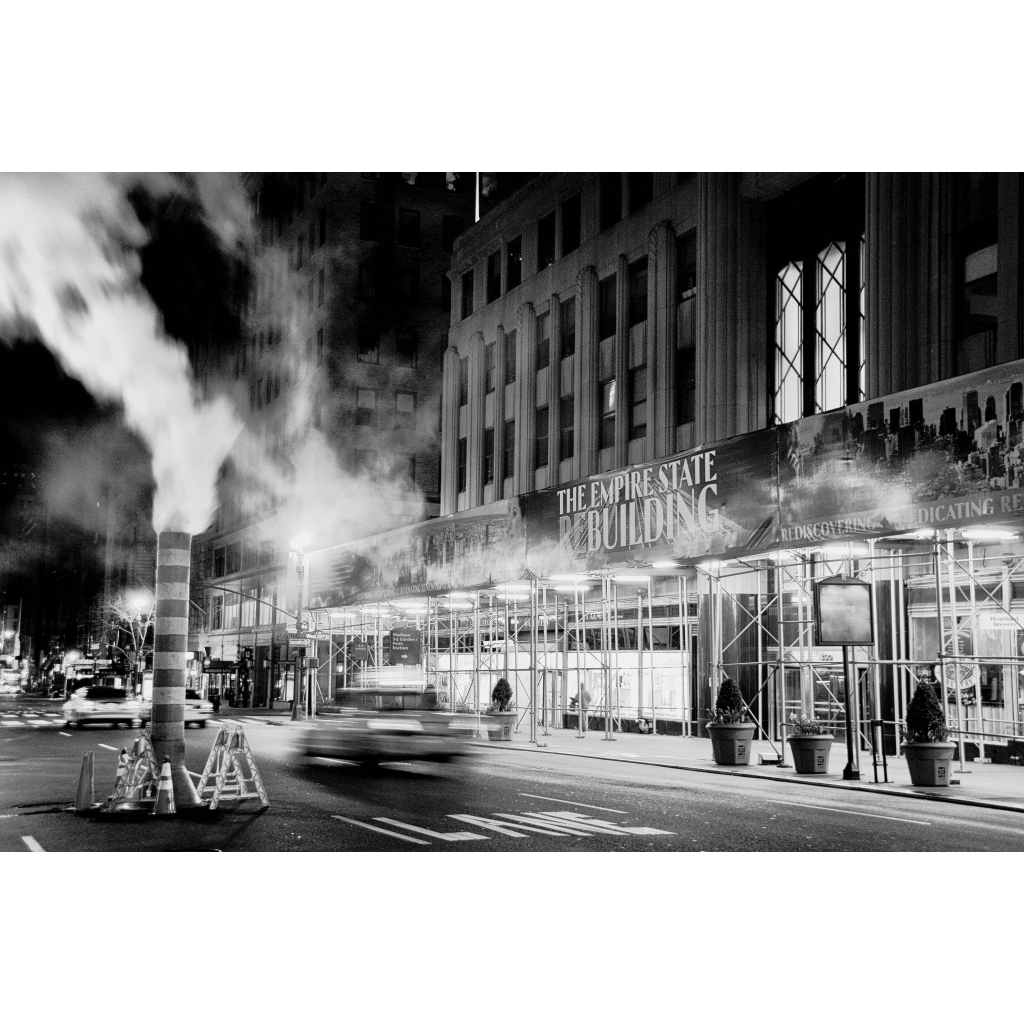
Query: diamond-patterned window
point(789, 343)
point(830, 328)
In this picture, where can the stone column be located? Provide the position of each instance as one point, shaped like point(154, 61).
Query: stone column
point(526, 374)
point(718, 265)
point(499, 411)
point(475, 426)
point(449, 431)
point(661, 339)
point(586, 386)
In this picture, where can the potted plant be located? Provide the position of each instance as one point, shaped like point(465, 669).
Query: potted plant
point(729, 726)
point(926, 735)
point(501, 713)
point(811, 745)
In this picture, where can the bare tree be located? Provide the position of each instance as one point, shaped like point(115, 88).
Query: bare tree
point(128, 627)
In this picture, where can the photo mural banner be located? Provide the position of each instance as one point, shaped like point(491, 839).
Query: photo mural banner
point(949, 454)
point(945, 455)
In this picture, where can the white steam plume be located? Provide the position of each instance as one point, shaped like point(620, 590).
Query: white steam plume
point(70, 269)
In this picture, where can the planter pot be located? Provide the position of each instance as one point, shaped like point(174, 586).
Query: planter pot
point(929, 762)
point(730, 744)
point(810, 753)
point(500, 725)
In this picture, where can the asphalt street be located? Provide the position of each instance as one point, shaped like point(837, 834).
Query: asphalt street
point(502, 799)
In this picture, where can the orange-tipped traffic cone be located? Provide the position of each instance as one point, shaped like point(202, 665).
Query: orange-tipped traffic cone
point(84, 802)
point(164, 792)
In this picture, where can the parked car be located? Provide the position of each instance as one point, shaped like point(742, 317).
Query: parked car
point(197, 710)
point(386, 724)
point(108, 704)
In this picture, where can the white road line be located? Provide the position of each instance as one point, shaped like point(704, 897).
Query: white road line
point(574, 803)
point(448, 837)
point(66, 734)
point(107, 746)
point(373, 828)
point(32, 844)
point(843, 810)
point(493, 826)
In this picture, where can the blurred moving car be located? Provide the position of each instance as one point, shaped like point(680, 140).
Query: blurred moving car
point(9, 686)
point(108, 704)
point(197, 710)
point(387, 724)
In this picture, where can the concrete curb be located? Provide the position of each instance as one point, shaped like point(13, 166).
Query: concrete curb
point(796, 779)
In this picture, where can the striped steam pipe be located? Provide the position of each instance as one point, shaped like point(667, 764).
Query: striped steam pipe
point(170, 644)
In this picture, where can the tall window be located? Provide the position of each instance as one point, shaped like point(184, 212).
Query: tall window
point(367, 345)
point(366, 407)
point(511, 354)
point(467, 294)
point(541, 450)
point(566, 433)
point(638, 394)
point(464, 381)
point(490, 370)
point(446, 294)
point(608, 414)
point(543, 340)
point(489, 455)
point(567, 328)
point(409, 228)
point(508, 453)
point(367, 283)
point(546, 241)
point(686, 328)
point(406, 349)
point(405, 409)
point(320, 287)
point(462, 465)
point(610, 188)
point(571, 218)
point(815, 379)
point(514, 264)
point(641, 190)
point(606, 307)
point(409, 283)
point(638, 292)
point(319, 348)
point(494, 276)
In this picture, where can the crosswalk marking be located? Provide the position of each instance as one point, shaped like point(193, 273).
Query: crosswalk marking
point(32, 844)
point(448, 837)
point(472, 819)
point(374, 828)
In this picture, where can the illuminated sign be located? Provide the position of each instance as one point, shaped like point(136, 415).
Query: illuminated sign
point(842, 613)
point(405, 646)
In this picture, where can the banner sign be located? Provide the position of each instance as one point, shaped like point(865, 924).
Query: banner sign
point(949, 454)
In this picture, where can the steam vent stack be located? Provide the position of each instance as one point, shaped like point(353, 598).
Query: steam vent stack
point(170, 646)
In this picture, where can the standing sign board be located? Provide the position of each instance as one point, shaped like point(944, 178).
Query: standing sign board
point(360, 650)
point(842, 613)
point(405, 646)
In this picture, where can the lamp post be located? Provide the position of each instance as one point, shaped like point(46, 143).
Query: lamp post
point(300, 667)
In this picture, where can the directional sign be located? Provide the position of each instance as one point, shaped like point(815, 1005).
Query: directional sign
point(319, 635)
point(842, 612)
point(405, 646)
point(360, 651)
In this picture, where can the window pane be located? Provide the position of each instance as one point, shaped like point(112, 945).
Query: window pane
point(566, 414)
point(567, 325)
point(789, 343)
point(490, 371)
point(493, 276)
point(571, 224)
point(511, 354)
point(546, 241)
point(467, 294)
point(489, 455)
point(409, 227)
point(514, 264)
point(509, 453)
point(370, 223)
point(606, 301)
point(610, 185)
point(366, 407)
point(367, 345)
point(541, 453)
point(830, 328)
point(638, 292)
point(406, 348)
point(543, 341)
point(641, 190)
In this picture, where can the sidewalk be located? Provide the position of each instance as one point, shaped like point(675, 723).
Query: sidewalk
point(997, 786)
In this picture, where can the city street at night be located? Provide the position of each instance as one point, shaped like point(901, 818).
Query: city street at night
point(504, 798)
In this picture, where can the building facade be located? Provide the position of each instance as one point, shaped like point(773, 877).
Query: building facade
point(674, 403)
point(338, 377)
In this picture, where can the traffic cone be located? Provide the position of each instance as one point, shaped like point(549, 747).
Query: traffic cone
point(185, 796)
point(84, 802)
point(165, 792)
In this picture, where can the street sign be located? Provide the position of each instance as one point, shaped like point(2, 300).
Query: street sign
point(318, 635)
point(360, 651)
point(842, 613)
point(405, 646)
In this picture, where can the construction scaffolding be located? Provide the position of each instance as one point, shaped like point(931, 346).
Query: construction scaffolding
point(651, 644)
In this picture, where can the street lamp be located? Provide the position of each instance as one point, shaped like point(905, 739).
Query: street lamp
point(300, 669)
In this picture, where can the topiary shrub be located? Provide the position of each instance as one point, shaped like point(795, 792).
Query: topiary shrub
point(501, 695)
point(730, 708)
point(924, 722)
